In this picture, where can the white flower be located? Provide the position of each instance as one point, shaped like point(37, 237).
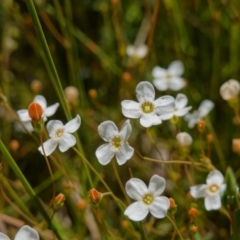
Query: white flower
point(230, 89)
point(47, 112)
point(116, 143)
point(211, 191)
point(169, 78)
point(184, 139)
point(193, 118)
point(60, 135)
point(25, 233)
point(137, 51)
point(180, 108)
point(146, 108)
point(148, 199)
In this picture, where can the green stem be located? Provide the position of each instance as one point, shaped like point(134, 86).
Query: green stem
point(52, 70)
point(28, 187)
point(175, 227)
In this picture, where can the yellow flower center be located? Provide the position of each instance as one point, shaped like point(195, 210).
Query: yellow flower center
point(148, 199)
point(147, 107)
point(213, 188)
point(59, 132)
point(116, 142)
point(168, 77)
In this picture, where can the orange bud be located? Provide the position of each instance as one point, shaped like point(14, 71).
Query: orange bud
point(81, 204)
point(201, 125)
point(172, 203)
point(193, 229)
point(59, 201)
point(35, 111)
point(193, 212)
point(127, 77)
point(94, 195)
point(14, 145)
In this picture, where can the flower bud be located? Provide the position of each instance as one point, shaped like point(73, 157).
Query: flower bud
point(71, 93)
point(192, 212)
point(193, 229)
point(236, 145)
point(201, 125)
point(81, 204)
point(94, 196)
point(92, 93)
point(184, 139)
point(127, 77)
point(36, 86)
point(35, 111)
point(59, 201)
point(173, 206)
point(230, 89)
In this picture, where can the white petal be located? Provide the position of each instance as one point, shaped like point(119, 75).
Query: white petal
point(27, 233)
point(49, 146)
point(205, 107)
point(131, 109)
point(164, 101)
point(125, 130)
point(136, 211)
point(198, 191)
point(212, 202)
point(136, 188)
point(49, 111)
point(156, 185)
point(23, 115)
point(3, 237)
point(53, 126)
point(66, 141)
point(159, 72)
point(215, 177)
point(181, 101)
point(41, 100)
point(159, 207)
point(166, 116)
point(73, 125)
point(182, 112)
point(146, 121)
point(27, 125)
point(176, 83)
point(125, 153)
point(160, 84)
point(107, 130)
point(141, 51)
point(145, 92)
point(104, 153)
point(176, 68)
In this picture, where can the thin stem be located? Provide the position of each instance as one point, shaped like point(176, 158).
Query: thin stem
point(28, 188)
point(98, 175)
point(49, 169)
point(154, 144)
point(168, 161)
point(175, 226)
point(120, 182)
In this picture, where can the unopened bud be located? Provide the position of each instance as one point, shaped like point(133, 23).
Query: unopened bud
point(35, 111)
point(127, 77)
point(184, 139)
point(230, 89)
point(173, 206)
point(81, 204)
point(236, 145)
point(14, 145)
point(59, 201)
point(193, 229)
point(94, 196)
point(201, 125)
point(36, 86)
point(71, 93)
point(210, 138)
point(193, 212)
point(92, 93)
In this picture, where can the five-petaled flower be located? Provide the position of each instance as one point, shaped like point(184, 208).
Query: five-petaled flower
point(147, 109)
point(179, 109)
point(116, 143)
point(211, 191)
point(193, 118)
point(46, 112)
point(60, 135)
point(169, 78)
point(148, 199)
point(25, 233)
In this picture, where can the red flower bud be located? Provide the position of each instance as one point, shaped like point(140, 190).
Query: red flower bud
point(35, 111)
